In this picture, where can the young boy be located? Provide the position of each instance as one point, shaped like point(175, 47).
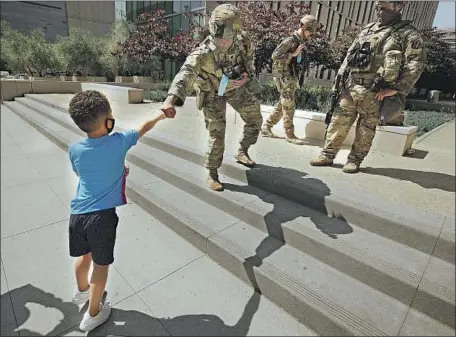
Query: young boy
point(99, 161)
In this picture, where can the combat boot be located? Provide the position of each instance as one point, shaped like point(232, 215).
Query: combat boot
point(243, 158)
point(291, 138)
point(350, 167)
point(213, 181)
point(267, 132)
point(321, 161)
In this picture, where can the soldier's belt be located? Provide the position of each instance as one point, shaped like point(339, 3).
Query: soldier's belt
point(365, 82)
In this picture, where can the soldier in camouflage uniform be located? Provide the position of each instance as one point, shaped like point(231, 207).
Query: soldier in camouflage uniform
point(285, 57)
point(380, 69)
point(227, 55)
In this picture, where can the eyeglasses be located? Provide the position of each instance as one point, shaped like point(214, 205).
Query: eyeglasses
point(382, 4)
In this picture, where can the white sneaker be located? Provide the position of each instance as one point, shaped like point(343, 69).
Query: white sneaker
point(89, 323)
point(80, 297)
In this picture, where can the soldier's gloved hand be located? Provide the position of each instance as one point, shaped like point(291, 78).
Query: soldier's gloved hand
point(385, 93)
point(240, 83)
point(298, 50)
point(168, 107)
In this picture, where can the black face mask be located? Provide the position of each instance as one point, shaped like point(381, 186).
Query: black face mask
point(387, 16)
point(113, 121)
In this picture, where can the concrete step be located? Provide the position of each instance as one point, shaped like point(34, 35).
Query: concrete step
point(283, 219)
point(158, 280)
point(390, 268)
point(403, 223)
point(408, 225)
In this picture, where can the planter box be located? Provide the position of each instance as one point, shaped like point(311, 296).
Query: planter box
point(79, 78)
point(96, 79)
point(390, 139)
point(118, 94)
point(143, 79)
point(124, 79)
point(12, 88)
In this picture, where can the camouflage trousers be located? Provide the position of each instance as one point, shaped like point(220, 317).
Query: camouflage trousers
point(286, 106)
point(356, 102)
point(214, 109)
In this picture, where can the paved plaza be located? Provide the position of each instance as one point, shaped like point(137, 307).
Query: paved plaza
point(186, 258)
point(159, 284)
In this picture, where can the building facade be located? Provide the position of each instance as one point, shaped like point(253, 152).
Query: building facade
point(450, 37)
point(95, 16)
point(334, 15)
point(56, 17)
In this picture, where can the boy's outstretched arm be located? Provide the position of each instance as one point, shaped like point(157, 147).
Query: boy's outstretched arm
point(148, 125)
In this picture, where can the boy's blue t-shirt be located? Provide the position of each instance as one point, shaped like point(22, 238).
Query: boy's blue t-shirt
point(99, 162)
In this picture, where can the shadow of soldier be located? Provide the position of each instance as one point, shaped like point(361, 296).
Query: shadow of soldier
point(428, 180)
point(136, 323)
point(122, 322)
point(28, 293)
point(285, 211)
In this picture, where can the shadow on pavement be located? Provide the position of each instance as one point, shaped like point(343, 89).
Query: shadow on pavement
point(135, 323)
point(331, 226)
point(121, 322)
point(417, 154)
point(428, 180)
point(282, 213)
point(21, 296)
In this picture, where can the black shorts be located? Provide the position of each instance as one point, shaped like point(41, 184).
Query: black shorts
point(94, 233)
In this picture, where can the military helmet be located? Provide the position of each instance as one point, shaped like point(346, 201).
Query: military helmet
point(225, 22)
point(310, 23)
point(380, 3)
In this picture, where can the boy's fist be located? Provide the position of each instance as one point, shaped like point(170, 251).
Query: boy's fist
point(169, 111)
point(168, 106)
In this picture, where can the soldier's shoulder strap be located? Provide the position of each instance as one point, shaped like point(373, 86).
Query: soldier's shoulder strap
point(396, 27)
point(369, 25)
point(296, 41)
point(243, 44)
point(400, 24)
point(242, 41)
point(208, 46)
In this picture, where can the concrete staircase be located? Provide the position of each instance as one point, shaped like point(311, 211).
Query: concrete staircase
point(341, 262)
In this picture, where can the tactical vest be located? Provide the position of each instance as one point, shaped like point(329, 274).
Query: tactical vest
point(234, 58)
point(367, 56)
point(280, 67)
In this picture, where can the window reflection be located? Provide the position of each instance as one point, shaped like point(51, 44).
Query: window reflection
point(176, 20)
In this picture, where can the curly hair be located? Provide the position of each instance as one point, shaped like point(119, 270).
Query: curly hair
point(86, 108)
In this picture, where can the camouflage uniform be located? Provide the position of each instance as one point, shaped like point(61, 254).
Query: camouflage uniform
point(287, 82)
point(206, 65)
point(399, 61)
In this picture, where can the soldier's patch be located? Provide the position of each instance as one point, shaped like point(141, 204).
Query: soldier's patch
point(416, 44)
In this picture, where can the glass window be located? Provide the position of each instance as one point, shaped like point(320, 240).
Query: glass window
point(161, 5)
point(176, 7)
point(154, 6)
point(196, 4)
point(140, 7)
point(129, 10)
point(176, 22)
point(185, 6)
point(184, 23)
point(168, 7)
point(134, 10)
point(147, 6)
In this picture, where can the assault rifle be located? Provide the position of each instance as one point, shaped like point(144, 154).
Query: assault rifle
point(334, 97)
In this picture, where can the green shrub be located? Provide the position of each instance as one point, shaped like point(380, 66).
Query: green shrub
point(162, 86)
point(314, 98)
point(156, 95)
point(427, 120)
point(160, 92)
